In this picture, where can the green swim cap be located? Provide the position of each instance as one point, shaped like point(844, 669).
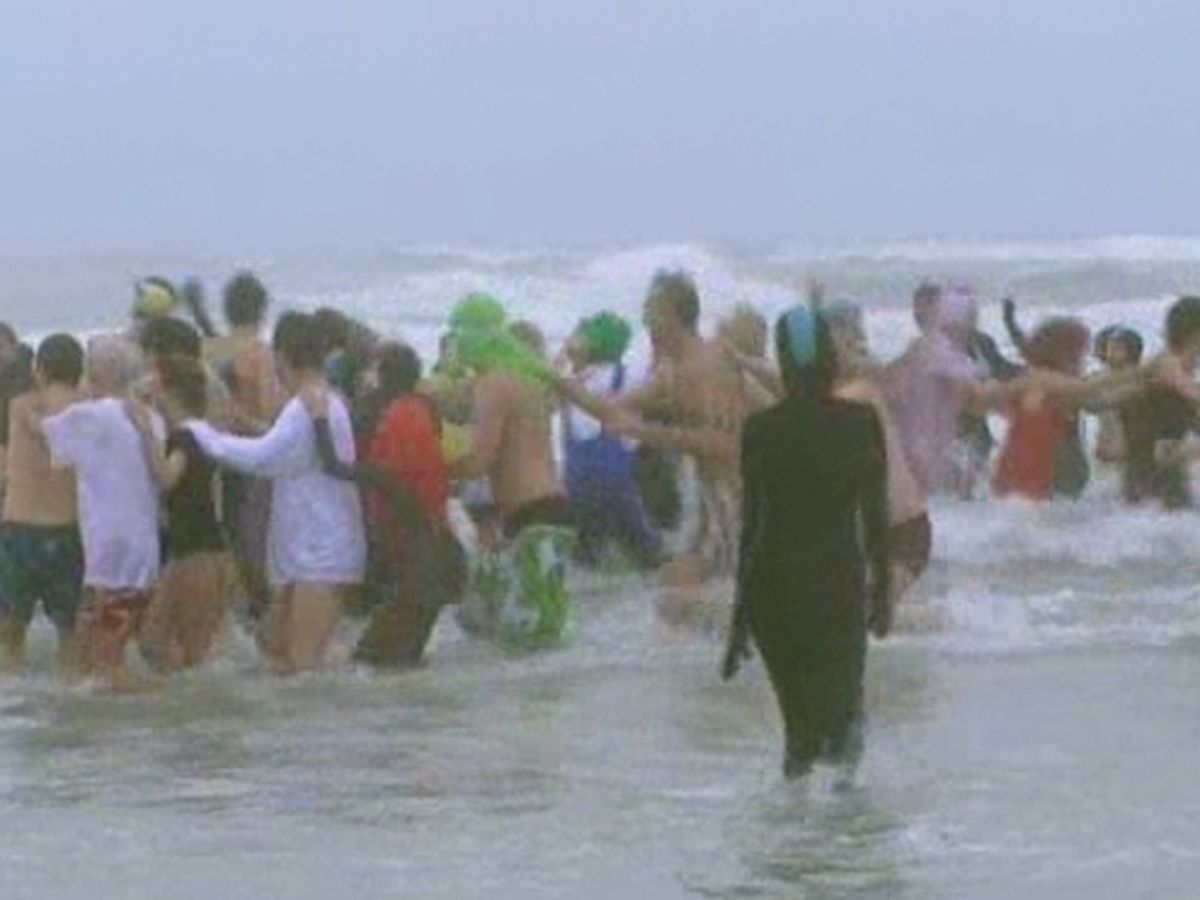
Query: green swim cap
point(484, 344)
point(154, 297)
point(606, 337)
point(478, 311)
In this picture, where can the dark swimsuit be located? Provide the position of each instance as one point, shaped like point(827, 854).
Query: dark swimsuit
point(193, 525)
point(1154, 415)
point(815, 478)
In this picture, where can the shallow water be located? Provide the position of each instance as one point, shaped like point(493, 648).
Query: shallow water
point(1036, 736)
point(1032, 733)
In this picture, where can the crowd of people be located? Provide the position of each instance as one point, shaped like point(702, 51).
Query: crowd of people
point(162, 482)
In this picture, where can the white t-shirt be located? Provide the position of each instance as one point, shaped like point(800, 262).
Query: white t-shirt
point(597, 380)
point(118, 496)
point(316, 532)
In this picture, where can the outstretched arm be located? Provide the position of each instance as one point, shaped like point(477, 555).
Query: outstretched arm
point(399, 498)
point(283, 449)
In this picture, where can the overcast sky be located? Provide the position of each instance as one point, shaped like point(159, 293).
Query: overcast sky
point(249, 125)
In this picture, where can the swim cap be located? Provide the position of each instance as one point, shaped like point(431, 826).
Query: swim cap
point(805, 353)
point(606, 337)
point(801, 328)
point(478, 311)
point(154, 297)
point(483, 343)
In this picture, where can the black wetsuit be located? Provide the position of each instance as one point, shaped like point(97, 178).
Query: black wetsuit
point(1153, 415)
point(815, 479)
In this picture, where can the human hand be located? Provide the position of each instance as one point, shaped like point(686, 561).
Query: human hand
point(879, 619)
point(316, 401)
point(623, 423)
point(1172, 452)
point(139, 415)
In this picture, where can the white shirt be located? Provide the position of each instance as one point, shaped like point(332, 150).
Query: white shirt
point(118, 496)
point(597, 380)
point(316, 532)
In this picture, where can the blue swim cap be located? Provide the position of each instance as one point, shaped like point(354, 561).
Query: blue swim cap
point(801, 327)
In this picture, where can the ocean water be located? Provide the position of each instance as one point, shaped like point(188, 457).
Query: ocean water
point(1032, 728)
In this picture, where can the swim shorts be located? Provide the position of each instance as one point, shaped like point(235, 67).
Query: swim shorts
point(519, 595)
point(40, 563)
point(112, 612)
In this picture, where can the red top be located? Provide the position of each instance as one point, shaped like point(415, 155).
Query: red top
point(1026, 465)
point(406, 444)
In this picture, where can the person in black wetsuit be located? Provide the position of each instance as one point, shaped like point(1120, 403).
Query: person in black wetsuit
point(1164, 412)
point(189, 603)
point(814, 473)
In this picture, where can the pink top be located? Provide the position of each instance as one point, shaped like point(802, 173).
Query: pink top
point(924, 392)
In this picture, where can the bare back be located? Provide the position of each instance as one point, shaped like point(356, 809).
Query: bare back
point(37, 492)
point(514, 440)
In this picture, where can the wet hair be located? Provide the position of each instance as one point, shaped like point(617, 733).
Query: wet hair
point(814, 380)
point(184, 378)
point(334, 327)
point(1119, 334)
point(1183, 321)
point(1059, 343)
point(399, 369)
point(529, 335)
point(115, 359)
point(60, 360)
point(927, 292)
point(298, 341)
point(166, 336)
point(245, 300)
point(678, 291)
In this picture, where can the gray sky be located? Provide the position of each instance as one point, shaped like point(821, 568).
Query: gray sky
point(226, 126)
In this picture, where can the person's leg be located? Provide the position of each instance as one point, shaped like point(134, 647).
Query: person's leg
point(108, 620)
point(62, 592)
point(156, 637)
point(273, 630)
point(19, 589)
point(200, 612)
point(316, 610)
point(631, 527)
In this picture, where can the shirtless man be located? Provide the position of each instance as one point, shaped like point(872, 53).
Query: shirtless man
point(15, 360)
point(41, 558)
point(514, 449)
point(701, 384)
point(910, 537)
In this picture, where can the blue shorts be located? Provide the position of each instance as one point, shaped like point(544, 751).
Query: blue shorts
point(40, 563)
